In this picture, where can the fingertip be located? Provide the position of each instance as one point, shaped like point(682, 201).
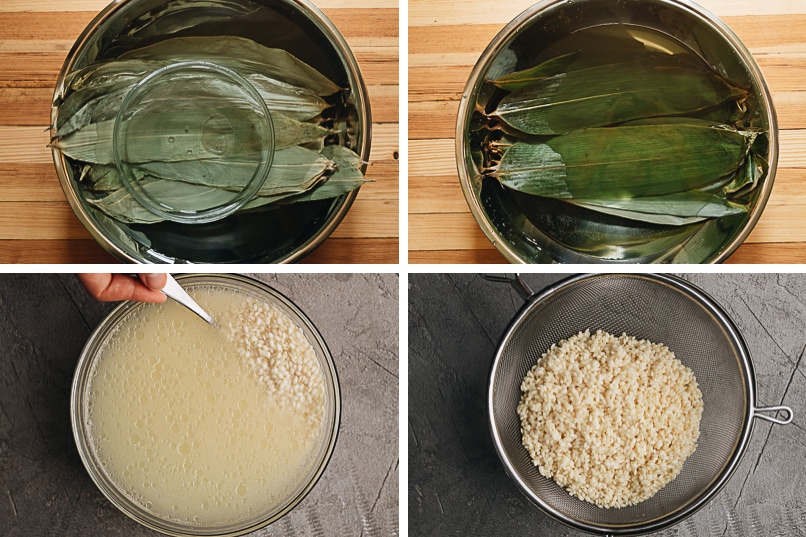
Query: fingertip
point(155, 282)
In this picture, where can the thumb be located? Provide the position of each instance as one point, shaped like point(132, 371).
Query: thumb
point(154, 281)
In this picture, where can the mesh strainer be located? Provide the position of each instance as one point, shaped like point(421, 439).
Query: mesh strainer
point(662, 309)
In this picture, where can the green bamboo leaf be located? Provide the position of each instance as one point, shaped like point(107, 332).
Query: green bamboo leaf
point(614, 43)
point(748, 175)
point(520, 79)
point(711, 237)
point(672, 209)
point(592, 232)
point(241, 55)
point(627, 161)
point(610, 94)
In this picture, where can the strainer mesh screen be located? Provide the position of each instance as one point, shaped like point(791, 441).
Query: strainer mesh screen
point(645, 308)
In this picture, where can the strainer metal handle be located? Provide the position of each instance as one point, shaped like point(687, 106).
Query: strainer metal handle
point(516, 283)
point(758, 413)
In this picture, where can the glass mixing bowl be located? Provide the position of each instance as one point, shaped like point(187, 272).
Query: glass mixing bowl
point(95, 466)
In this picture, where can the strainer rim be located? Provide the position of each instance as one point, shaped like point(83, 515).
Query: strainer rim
point(532, 305)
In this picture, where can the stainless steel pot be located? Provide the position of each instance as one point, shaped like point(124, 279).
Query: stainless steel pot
point(282, 235)
point(516, 227)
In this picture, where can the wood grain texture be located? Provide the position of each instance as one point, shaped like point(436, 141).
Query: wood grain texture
point(37, 223)
point(441, 227)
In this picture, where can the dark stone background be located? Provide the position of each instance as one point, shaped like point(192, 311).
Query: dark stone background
point(457, 485)
point(44, 488)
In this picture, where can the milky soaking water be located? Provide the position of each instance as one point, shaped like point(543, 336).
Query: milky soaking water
point(187, 420)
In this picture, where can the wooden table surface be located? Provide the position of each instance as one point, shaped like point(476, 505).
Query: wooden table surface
point(446, 39)
point(36, 223)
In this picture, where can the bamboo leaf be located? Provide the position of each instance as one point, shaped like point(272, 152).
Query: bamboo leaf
point(241, 55)
point(122, 206)
point(97, 81)
point(183, 135)
point(293, 170)
point(592, 232)
point(673, 209)
point(626, 161)
point(520, 79)
point(748, 175)
point(346, 178)
point(120, 232)
point(610, 94)
point(613, 43)
point(102, 178)
point(293, 102)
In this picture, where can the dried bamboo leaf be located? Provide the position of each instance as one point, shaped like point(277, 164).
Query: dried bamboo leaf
point(101, 178)
point(626, 161)
point(241, 55)
point(346, 178)
point(183, 135)
point(610, 94)
point(120, 232)
point(520, 79)
point(673, 209)
point(293, 102)
point(122, 206)
point(293, 170)
point(94, 82)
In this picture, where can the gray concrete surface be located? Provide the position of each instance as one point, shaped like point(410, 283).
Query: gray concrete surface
point(44, 488)
point(457, 485)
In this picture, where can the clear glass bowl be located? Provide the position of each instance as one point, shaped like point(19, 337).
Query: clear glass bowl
point(95, 467)
point(223, 118)
point(546, 231)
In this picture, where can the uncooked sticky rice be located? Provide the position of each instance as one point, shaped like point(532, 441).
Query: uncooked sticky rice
point(610, 419)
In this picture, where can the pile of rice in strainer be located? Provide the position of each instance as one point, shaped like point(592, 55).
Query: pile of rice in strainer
point(610, 419)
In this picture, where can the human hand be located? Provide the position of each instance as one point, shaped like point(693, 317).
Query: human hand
point(112, 287)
